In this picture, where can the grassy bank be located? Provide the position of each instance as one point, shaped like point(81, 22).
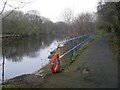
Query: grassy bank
point(114, 43)
point(69, 71)
point(36, 79)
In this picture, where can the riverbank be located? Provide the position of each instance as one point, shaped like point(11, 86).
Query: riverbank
point(39, 77)
point(95, 68)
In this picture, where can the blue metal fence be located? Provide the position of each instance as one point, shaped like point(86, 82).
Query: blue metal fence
point(77, 41)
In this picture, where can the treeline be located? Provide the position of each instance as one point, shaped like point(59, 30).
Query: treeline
point(108, 16)
point(30, 23)
point(81, 24)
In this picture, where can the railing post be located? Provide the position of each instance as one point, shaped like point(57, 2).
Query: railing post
point(79, 39)
point(88, 36)
point(91, 36)
point(71, 53)
point(83, 39)
point(76, 44)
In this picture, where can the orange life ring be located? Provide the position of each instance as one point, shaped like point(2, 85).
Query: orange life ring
point(55, 63)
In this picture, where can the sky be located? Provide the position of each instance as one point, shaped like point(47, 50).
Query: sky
point(53, 9)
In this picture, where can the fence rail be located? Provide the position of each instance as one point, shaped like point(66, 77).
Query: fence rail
point(77, 41)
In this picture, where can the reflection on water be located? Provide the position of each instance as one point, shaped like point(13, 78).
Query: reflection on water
point(18, 48)
point(26, 55)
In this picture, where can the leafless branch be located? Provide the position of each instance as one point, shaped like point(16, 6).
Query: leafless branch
point(67, 34)
point(21, 3)
point(19, 6)
point(8, 14)
point(3, 7)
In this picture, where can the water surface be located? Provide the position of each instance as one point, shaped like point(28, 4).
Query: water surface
point(27, 55)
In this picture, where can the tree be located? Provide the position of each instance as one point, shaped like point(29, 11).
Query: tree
point(67, 15)
point(68, 18)
point(108, 14)
point(30, 23)
point(84, 23)
point(21, 4)
point(81, 24)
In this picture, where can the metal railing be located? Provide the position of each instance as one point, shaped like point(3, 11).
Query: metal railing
point(77, 41)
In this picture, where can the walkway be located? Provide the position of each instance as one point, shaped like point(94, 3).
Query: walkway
point(95, 68)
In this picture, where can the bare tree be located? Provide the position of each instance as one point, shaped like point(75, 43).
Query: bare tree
point(3, 7)
point(67, 15)
point(6, 3)
point(68, 18)
point(84, 23)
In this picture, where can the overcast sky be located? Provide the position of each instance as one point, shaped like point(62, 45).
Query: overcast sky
point(53, 9)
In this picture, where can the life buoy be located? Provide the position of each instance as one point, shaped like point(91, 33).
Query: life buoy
point(55, 63)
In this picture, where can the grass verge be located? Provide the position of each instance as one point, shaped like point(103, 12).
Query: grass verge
point(114, 43)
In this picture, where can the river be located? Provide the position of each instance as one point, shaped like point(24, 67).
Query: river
point(26, 55)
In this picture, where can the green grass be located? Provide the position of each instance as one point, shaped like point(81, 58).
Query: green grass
point(66, 62)
point(81, 50)
point(114, 43)
point(99, 34)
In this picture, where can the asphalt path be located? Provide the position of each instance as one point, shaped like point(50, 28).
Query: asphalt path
point(95, 68)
